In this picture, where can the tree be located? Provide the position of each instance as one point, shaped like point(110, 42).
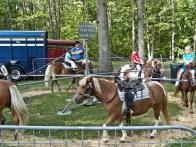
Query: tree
point(105, 63)
point(141, 29)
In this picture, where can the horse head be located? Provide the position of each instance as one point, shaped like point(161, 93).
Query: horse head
point(82, 66)
point(84, 90)
point(190, 73)
point(158, 68)
point(154, 69)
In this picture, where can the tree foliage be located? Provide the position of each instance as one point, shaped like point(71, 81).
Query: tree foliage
point(67, 14)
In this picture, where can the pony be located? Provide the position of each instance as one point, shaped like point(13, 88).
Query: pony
point(151, 69)
point(11, 98)
point(106, 91)
point(57, 68)
point(187, 84)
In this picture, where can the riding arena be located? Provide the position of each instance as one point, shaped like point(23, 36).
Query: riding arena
point(115, 108)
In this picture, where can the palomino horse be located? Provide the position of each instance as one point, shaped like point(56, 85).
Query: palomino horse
point(187, 85)
point(11, 98)
point(151, 69)
point(107, 92)
point(59, 68)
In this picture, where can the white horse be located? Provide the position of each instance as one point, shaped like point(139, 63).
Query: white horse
point(151, 69)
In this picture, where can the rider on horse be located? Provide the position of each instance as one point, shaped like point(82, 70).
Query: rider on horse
point(188, 57)
point(136, 60)
point(78, 51)
point(70, 59)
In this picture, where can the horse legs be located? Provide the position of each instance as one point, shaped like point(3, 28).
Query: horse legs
point(73, 80)
point(111, 119)
point(191, 102)
point(124, 133)
point(157, 120)
point(52, 84)
point(51, 88)
point(105, 136)
point(184, 99)
point(2, 118)
point(16, 121)
point(56, 82)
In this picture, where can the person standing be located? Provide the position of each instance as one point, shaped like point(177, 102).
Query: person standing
point(188, 57)
point(135, 58)
point(78, 51)
point(6, 70)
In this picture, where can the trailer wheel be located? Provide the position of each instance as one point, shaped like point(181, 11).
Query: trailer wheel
point(16, 73)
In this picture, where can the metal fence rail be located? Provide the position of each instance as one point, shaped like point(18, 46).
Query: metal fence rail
point(165, 136)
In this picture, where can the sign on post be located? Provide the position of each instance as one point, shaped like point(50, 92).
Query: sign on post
point(86, 30)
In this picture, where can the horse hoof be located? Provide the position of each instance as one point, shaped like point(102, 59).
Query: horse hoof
point(184, 105)
point(105, 141)
point(191, 112)
point(151, 137)
point(122, 141)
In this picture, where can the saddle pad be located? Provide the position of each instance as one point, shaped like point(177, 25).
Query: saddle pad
point(66, 66)
point(144, 94)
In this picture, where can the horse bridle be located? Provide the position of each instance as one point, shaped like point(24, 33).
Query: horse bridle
point(89, 94)
point(154, 71)
point(88, 91)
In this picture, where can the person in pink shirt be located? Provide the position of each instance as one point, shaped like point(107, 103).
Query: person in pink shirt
point(136, 60)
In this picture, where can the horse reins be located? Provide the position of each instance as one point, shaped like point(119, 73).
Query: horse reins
point(89, 94)
point(153, 71)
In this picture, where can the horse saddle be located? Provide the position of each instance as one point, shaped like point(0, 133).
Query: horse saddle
point(132, 86)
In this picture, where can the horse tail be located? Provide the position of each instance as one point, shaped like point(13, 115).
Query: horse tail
point(47, 75)
point(18, 106)
point(165, 110)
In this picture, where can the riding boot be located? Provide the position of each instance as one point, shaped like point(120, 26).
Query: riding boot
point(177, 83)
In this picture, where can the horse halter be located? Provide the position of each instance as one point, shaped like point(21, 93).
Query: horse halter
point(88, 92)
point(157, 72)
point(154, 71)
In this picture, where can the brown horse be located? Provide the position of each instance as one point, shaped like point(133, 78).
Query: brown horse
point(58, 68)
point(187, 85)
point(107, 92)
point(151, 69)
point(11, 98)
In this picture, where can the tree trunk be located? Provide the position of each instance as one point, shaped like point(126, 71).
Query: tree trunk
point(172, 31)
point(105, 63)
point(148, 41)
point(51, 22)
point(133, 26)
point(141, 30)
point(110, 25)
point(22, 15)
point(59, 20)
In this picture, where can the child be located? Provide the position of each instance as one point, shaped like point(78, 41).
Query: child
point(188, 57)
point(136, 60)
point(70, 60)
